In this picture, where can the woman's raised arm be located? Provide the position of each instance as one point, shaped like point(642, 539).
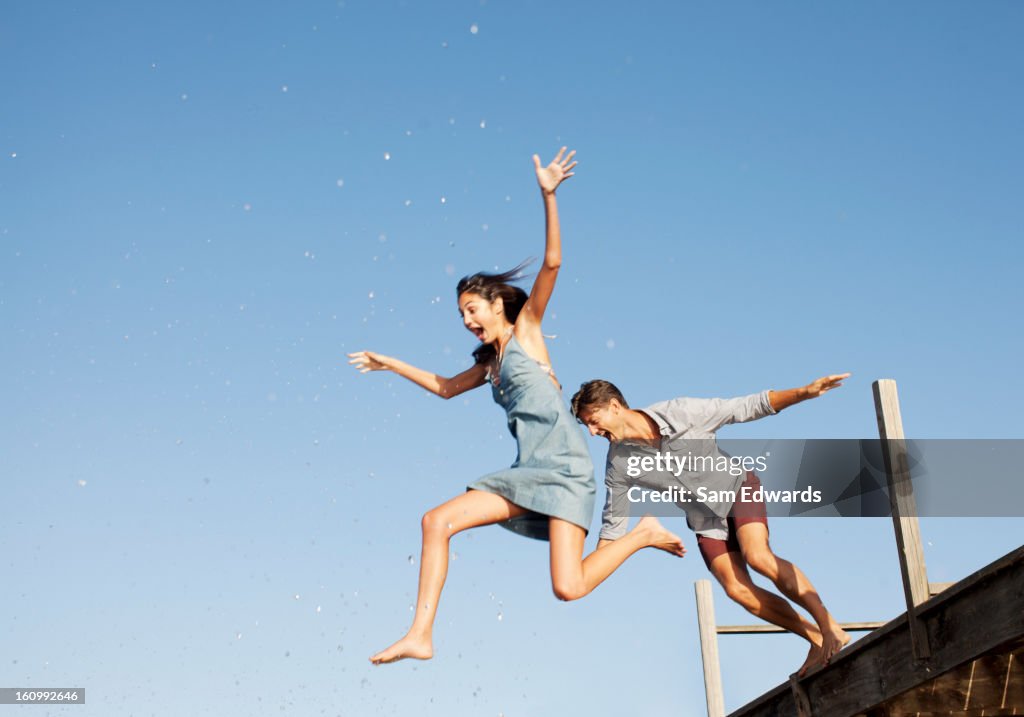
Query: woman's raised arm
point(549, 178)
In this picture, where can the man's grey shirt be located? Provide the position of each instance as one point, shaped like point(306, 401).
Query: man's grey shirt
point(687, 426)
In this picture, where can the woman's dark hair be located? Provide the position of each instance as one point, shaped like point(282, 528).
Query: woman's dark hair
point(491, 287)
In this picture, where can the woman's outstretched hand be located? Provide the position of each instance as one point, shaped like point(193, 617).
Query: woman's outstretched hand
point(558, 171)
point(365, 361)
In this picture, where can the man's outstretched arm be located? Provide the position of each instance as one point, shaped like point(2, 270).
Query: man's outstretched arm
point(785, 399)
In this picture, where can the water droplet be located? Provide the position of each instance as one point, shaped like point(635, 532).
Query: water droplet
point(184, 97)
point(81, 482)
point(408, 202)
point(340, 182)
point(371, 295)
point(412, 560)
point(284, 88)
point(238, 636)
point(483, 124)
point(443, 200)
point(610, 343)
point(13, 155)
point(317, 609)
point(474, 28)
point(247, 207)
point(444, 44)
point(450, 526)
point(387, 156)
point(296, 596)
point(500, 617)
point(454, 556)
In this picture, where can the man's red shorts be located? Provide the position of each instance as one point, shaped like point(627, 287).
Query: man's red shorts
point(741, 514)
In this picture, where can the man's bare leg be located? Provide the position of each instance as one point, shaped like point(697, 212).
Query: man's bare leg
point(731, 572)
point(791, 582)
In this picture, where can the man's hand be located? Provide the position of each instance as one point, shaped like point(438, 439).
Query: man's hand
point(558, 171)
point(825, 383)
point(784, 399)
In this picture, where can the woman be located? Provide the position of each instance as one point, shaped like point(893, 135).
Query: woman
point(548, 493)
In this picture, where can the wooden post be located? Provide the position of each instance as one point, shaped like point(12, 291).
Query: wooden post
point(904, 509)
point(800, 699)
point(709, 649)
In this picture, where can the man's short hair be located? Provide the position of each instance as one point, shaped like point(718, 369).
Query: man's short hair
point(595, 394)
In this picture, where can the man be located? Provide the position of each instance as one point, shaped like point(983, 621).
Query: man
point(731, 537)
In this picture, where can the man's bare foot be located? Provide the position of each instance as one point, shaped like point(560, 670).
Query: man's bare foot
point(410, 646)
point(815, 657)
point(660, 537)
point(833, 641)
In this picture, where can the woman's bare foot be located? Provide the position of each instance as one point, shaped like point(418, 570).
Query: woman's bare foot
point(410, 646)
point(833, 641)
point(659, 537)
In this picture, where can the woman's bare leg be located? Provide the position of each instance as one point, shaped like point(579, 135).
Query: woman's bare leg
point(572, 576)
point(469, 510)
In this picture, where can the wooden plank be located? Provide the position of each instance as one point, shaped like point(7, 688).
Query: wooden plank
point(1013, 690)
point(988, 682)
point(709, 649)
point(980, 615)
point(759, 629)
point(992, 712)
point(946, 692)
point(904, 508)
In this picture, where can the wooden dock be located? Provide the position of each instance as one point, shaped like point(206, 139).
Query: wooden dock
point(975, 632)
point(957, 651)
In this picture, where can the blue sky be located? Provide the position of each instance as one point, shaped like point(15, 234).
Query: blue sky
point(202, 209)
